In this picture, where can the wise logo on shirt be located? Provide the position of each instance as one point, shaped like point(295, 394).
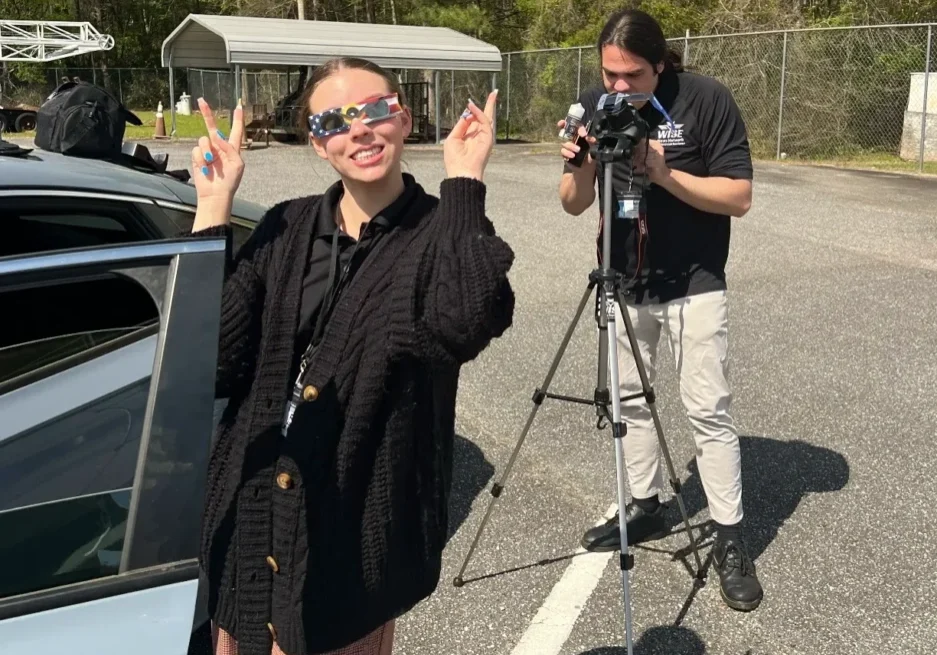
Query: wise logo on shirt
point(671, 136)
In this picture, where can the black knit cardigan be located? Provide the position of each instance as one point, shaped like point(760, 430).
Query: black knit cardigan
point(318, 538)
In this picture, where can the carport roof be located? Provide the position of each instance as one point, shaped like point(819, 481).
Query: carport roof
point(204, 41)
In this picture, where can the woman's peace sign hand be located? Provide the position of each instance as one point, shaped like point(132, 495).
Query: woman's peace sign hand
point(469, 145)
point(217, 168)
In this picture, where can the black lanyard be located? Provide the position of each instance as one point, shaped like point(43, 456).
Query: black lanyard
point(334, 288)
point(332, 292)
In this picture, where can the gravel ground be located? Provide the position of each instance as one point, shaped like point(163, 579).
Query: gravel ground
point(833, 283)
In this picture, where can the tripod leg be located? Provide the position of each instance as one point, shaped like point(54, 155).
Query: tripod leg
point(601, 384)
point(538, 398)
point(626, 559)
point(649, 394)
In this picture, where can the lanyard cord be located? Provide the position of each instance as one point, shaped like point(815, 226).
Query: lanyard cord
point(334, 288)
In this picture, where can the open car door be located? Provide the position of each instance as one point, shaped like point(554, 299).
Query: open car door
point(107, 378)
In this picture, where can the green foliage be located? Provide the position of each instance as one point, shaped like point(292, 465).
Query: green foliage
point(26, 72)
point(466, 18)
point(140, 26)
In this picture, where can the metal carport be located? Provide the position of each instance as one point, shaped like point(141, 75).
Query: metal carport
point(230, 42)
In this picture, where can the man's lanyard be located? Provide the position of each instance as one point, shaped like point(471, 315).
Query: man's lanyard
point(641, 219)
point(332, 292)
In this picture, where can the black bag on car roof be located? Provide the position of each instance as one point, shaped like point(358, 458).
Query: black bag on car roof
point(84, 120)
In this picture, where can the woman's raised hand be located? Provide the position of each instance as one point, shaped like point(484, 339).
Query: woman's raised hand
point(217, 168)
point(468, 146)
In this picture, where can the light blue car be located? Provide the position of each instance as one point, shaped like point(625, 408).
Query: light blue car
point(108, 345)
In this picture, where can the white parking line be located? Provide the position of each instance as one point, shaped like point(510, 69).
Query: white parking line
point(554, 622)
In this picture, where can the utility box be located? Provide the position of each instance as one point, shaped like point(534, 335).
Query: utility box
point(913, 123)
point(184, 106)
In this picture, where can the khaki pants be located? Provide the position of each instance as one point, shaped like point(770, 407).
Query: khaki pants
point(697, 331)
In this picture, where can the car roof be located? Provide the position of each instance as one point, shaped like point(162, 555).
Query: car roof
point(54, 171)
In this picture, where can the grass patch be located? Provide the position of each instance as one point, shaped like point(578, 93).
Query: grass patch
point(871, 161)
point(187, 127)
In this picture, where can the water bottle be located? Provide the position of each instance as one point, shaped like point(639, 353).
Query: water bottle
point(573, 121)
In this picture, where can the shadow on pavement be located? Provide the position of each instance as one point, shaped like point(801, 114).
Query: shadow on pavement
point(470, 475)
point(660, 640)
point(776, 475)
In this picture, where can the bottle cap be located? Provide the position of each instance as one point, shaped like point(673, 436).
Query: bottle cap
point(577, 110)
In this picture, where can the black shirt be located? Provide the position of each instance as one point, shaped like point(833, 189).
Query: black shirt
point(685, 249)
point(318, 267)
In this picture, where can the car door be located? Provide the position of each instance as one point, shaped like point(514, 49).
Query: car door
point(107, 364)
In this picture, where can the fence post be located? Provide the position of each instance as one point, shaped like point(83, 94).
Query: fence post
point(507, 120)
point(781, 102)
point(579, 73)
point(686, 47)
point(930, 32)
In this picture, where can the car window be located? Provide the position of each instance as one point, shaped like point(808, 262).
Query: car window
point(182, 221)
point(33, 224)
point(66, 478)
point(173, 221)
point(239, 234)
point(65, 496)
point(89, 448)
point(62, 323)
point(107, 365)
point(62, 543)
point(78, 220)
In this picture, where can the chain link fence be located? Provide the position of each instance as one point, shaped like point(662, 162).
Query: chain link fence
point(136, 88)
point(838, 94)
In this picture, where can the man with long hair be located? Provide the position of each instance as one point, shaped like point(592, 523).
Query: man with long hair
point(672, 253)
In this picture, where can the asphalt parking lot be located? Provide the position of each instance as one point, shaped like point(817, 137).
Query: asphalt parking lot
point(833, 292)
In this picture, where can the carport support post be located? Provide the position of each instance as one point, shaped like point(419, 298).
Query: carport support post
point(507, 103)
point(436, 93)
point(172, 98)
point(237, 91)
point(494, 123)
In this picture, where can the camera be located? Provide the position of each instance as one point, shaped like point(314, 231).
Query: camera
point(617, 127)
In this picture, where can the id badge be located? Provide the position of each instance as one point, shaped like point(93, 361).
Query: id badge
point(291, 407)
point(629, 205)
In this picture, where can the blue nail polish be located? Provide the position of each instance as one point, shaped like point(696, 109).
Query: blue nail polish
point(205, 170)
point(209, 156)
point(221, 134)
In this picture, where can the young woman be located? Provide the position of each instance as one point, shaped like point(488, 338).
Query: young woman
point(346, 317)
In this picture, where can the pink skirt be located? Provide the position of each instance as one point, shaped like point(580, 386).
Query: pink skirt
point(379, 642)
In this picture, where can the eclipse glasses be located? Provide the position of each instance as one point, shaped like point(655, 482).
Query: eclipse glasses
point(338, 119)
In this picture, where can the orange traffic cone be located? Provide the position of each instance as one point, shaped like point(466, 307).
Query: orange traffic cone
point(160, 132)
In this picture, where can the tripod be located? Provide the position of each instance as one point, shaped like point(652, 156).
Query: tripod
point(611, 292)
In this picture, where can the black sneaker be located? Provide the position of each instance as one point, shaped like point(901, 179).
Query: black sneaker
point(740, 587)
point(642, 526)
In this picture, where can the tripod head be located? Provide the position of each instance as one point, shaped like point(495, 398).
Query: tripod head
point(617, 127)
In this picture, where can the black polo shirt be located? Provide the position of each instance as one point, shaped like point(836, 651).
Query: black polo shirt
point(319, 264)
point(685, 249)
